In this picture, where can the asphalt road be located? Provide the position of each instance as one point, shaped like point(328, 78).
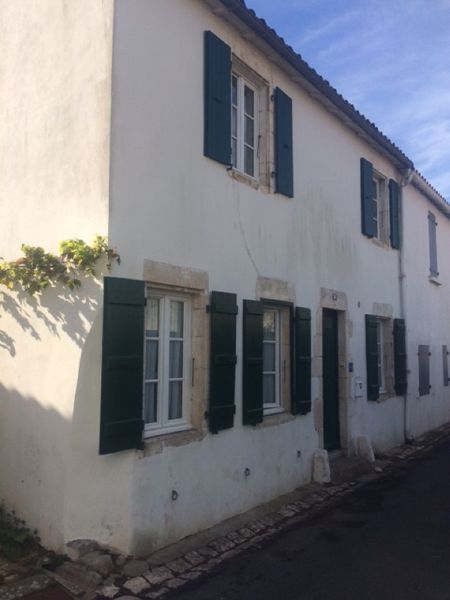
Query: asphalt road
point(388, 540)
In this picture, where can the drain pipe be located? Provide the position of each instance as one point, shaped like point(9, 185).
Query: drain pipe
point(406, 180)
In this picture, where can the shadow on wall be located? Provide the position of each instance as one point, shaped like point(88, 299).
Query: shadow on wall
point(32, 462)
point(59, 309)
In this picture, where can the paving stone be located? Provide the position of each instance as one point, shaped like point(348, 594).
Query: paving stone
point(178, 566)
point(245, 532)
point(192, 575)
point(135, 568)
point(256, 526)
point(128, 598)
point(231, 553)
point(78, 548)
point(97, 561)
point(235, 537)
point(194, 558)
point(206, 551)
point(136, 585)
point(74, 575)
point(158, 575)
point(109, 591)
point(286, 512)
point(173, 584)
point(221, 545)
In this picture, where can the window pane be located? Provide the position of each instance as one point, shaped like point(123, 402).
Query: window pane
point(176, 360)
point(234, 86)
point(269, 325)
point(150, 402)
point(234, 152)
point(175, 399)
point(374, 189)
point(269, 396)
point(152, 317)
point(249, 161)
point(249, 101)
point(234, 122)
point(176, 319)
point(151, 359)
point(249, 131)
point(269, 357)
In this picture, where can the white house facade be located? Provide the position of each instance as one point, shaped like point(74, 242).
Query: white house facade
point(282, 286)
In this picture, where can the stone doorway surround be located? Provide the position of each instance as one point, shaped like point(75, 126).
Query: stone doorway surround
point(334, 300)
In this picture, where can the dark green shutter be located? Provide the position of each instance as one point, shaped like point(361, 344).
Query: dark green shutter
point(373, 385)
point(122, 365)
point(302, 396)
point(217, 90)
point(253, 362)
point(424, 370)
point(394, 213)
point(223, 311)
point(284, 169)
point(400, 357)
point(368, 206)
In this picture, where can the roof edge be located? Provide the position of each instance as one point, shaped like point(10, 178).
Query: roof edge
point(269, 35)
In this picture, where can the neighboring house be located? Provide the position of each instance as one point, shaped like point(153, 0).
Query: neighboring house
point(282, 287)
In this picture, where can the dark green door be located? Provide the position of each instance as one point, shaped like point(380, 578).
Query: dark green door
point(330, 380)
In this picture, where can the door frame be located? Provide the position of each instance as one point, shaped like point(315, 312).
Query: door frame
point(336, 301)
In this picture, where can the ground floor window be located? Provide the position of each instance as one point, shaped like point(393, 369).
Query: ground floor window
point(166, 362)
point(276, 358)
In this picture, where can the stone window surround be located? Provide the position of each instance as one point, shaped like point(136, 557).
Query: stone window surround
point(195, 284)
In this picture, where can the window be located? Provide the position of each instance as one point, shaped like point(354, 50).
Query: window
point(432, 225)
point(380, 357)
point(271, 359)
point(166, 362)
point(237, 128)
point(381, 209)
point(244, 126)
point(380, 206)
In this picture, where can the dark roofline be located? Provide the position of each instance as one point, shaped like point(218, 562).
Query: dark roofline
point(269, 35)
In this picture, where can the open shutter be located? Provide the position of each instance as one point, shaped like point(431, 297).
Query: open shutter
point(368, 205)
point(253, 362)
point(424, 370)
point(223, 311)
point(283, 144)
point(400, 357)
point(302, 396)
point(217, 101)
point(373, 385)
point(122, 365)
point(432, 224)
point(394, 213)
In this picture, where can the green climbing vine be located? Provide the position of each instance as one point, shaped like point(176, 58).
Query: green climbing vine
point(37, 269)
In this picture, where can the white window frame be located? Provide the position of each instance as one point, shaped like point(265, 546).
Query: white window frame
point(238, 162)
point(163, 424)
point(276, 406)
point(382, 212)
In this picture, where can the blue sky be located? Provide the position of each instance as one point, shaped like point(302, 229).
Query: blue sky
point(390, 58)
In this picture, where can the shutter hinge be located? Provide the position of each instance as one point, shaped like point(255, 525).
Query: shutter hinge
point(208, 308)
point(206, 415)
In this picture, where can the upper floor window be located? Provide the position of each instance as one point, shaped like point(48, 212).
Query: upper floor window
point(380, 206)
point(243, 125)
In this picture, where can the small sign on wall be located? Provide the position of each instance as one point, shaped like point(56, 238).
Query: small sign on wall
point(358, 383)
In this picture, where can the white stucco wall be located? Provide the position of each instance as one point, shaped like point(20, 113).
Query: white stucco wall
point(427, 308)
point(55, 64)
point(169, 203)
